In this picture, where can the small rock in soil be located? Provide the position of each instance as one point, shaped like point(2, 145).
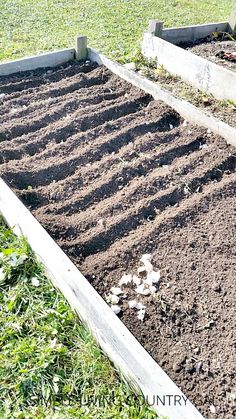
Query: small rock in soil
point(216, 287)
point(177, 367)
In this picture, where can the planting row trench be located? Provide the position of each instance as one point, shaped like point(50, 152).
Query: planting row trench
point(116, 177)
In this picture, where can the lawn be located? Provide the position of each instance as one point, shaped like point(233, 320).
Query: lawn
point(113, 27)
point(50, 366)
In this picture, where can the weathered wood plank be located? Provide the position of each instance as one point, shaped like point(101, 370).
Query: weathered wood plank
point(81, 51)
point(232, 21)
point(192, 33)
point(49, 59)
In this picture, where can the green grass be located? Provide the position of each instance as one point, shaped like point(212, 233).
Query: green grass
point(113, 27)
point(50, 366)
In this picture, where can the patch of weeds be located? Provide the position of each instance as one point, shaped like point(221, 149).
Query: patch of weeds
point(50, 366)
point(224, 110)
point(197, 96)
point(222, 36)
point(149, 68)
point(229, 103)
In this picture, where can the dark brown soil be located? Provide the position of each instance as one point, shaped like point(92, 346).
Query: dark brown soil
point(80, 145)
point(209, 48)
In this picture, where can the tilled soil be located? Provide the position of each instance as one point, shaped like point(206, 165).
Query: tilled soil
point(113, 174)
point(209, 49)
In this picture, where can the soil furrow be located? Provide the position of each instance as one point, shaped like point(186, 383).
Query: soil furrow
point(83, 96)
point(53, 172)
point(108, 184)
point(146, 209)
point(50, 76)
point(12, 150)
point(17, 128)
point(157, 179)
point(90, 174)
point(172, 217)
point(97, 239)
point(113, 174)
point(112, 142)
point(63, 70)
point(64, 86)
point(69, 126)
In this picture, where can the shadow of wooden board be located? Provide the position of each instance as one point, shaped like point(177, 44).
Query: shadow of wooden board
point(129, 357)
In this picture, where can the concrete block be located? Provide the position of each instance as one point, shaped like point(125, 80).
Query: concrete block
point(81, 48)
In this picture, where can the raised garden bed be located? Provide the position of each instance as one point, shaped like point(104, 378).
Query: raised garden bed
point(221, 52)
point(161, 45)
point(113, 174)
point(223, 111)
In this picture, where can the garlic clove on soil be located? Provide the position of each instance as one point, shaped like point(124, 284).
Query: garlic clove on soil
point(115, 308)
point(146, 258)
point(148, 266)
point(125, 279)
point(113, 299)
point(141, 315)
point(153, 277)
point(136, 280)
point(213, 409)
point(140, 306)
point(148, 281)
point(116, 290)
point(152, 289)
point(142, 290)
point(132, 304)
point(136, 304)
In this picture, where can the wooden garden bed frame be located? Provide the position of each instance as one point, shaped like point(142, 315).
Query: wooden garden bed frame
point(159, 44)
point(129, 357)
